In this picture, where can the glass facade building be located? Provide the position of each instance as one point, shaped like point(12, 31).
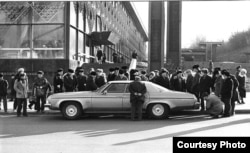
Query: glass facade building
point(47, 35)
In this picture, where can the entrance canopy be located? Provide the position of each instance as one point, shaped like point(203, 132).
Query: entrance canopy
point(104, 38)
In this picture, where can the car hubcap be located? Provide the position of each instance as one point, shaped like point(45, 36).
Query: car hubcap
point(158, 110)
point(71, 110)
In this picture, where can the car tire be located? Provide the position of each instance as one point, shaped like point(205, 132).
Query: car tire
point(158, 111)
point(71, 110)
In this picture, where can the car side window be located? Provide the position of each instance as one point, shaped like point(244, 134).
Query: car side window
point(116, 88)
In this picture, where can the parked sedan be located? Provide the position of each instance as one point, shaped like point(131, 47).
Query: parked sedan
point(114, 97)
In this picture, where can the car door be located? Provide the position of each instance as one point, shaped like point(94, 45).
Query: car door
point(110, 99)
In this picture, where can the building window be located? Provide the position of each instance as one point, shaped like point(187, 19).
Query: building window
point(48, 12)
point(48, 41)
point(73, 12)
point(14, 41)
point(32, 30)
point(15, 12)
point(80, 21)
point(72, 44)
point(81, 55)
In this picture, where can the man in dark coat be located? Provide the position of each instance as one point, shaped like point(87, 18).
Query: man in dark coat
point(137, 91)
point(12, 90)
point(40, 87)
point(3, 92)
point(111, 75)
point(91, 85)
point(178, 83)
point(189, 80)
point(125, 69)
point(205, 86)
point(235, 96)
point(121, 76)
point(99, 55)
point(70, 81)
point(81, 81)
point(196, 82)
point(163, 80)
point(143, 75)
point(115, 57)
point(100, 80)
point(58, 81)
point(226, 92)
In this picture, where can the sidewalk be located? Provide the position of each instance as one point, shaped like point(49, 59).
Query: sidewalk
point(30, 111)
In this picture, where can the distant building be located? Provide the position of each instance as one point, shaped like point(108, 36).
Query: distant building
point(194, 54)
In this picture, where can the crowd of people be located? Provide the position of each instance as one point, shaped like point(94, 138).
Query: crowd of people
point(218, 85)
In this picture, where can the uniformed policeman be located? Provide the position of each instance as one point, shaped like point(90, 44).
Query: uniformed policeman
point(137, 91)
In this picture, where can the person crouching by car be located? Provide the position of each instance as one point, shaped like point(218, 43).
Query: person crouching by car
point(40, 87)
point(21, 87)
point(214, 106)
point(137, 91)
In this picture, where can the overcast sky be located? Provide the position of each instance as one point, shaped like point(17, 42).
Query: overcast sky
point(214, 20)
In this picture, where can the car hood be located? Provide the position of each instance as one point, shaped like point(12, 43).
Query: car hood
point(71, 94)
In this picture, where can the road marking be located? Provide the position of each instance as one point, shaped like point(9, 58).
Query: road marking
point(7, 116)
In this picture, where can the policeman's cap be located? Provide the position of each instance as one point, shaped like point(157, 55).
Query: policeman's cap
point(121, 72)
point(60, 70)
point(225, 72)
point(93, 73)
point(70, 71)
point(40, 72)
point(111, 69)
point(117, 68)
point(80, 70)
point(196, 67)
point(124, 67)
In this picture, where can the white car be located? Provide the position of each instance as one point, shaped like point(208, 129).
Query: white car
point(114, 97)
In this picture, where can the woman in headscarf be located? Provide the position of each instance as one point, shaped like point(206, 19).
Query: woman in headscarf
point(242, 84)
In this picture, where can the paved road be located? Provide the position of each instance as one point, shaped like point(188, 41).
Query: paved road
point(51, 133)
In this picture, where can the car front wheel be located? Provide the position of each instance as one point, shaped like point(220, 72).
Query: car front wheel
point(158, 111)
point(71, 110)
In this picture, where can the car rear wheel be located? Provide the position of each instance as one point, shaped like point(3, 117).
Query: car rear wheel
point(71, 110)
point(158, 111)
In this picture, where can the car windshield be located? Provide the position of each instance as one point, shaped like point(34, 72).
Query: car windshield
point(102, 87)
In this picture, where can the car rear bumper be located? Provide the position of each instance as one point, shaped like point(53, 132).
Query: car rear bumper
point(47, 105)
point(197, 105)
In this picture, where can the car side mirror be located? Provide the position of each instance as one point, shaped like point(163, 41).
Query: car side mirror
point(105, 92)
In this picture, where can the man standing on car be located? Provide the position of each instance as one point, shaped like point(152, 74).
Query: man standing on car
point(137, 91)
